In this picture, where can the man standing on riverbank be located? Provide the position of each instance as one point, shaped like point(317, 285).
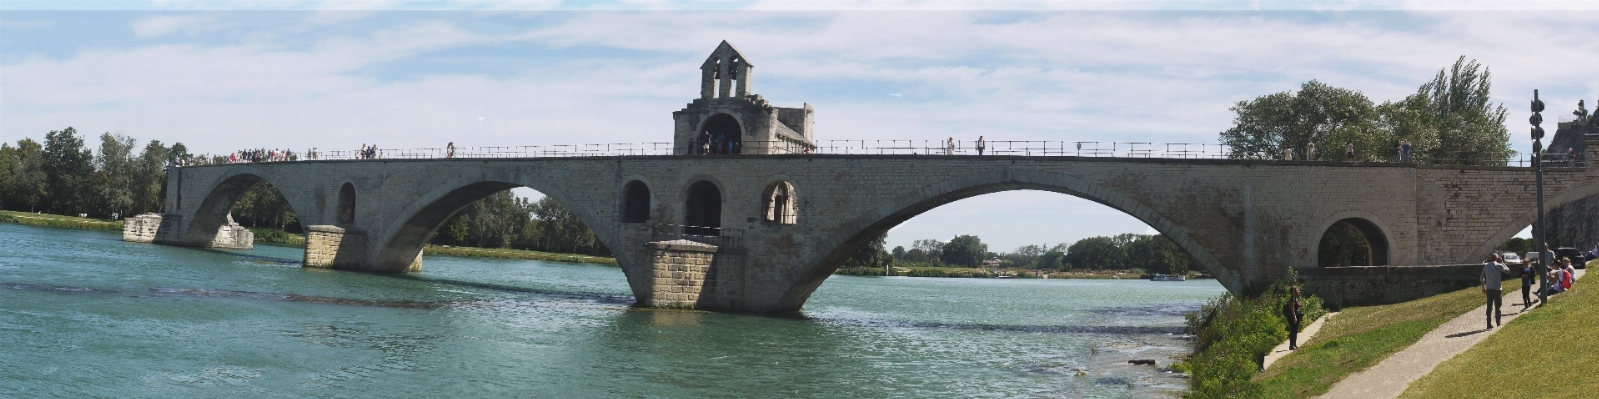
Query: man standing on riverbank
point(1491, 271)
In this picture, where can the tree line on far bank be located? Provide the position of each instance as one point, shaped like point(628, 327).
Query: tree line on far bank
point(63, 176)
point(1152, 253)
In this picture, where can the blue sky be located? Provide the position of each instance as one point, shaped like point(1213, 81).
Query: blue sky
point(220, 76)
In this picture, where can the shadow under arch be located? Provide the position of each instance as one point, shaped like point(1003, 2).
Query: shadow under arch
point(401, 244)
point(880, 219)
point(224, 192)
point(1379, 236)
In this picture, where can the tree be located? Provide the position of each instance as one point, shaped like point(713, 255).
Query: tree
point(1096, 253)
point(68, 169)
point(113, 181)
point(965, 250)
point(1328, 116)
point(28, 185)
point(872, 255)
point(1157, 254)
point(1343, 245)
point(1450, 119)
point(899, 251)
point(150, 178)
point(1053, 260)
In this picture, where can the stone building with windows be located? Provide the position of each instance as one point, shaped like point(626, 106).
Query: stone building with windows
point(728, 118)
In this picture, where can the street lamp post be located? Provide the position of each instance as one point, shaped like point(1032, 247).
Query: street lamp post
point(1537, 167)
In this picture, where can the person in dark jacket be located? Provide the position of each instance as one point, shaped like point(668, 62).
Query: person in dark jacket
point(1294, 315)
point(1527, 276)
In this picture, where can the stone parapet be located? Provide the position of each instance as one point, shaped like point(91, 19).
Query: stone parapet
point(1379, 285)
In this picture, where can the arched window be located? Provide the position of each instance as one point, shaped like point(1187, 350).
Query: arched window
point(779, 203)
point(347, 204)
point(1352, 242)
point(703, 210)
point(635, 202)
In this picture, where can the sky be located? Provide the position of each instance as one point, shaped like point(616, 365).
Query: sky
point(222, 76)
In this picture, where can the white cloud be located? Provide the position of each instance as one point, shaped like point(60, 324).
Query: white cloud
point(162, 25)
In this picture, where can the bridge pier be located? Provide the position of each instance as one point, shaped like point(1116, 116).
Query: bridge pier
point(345, 248)
point(169, 229)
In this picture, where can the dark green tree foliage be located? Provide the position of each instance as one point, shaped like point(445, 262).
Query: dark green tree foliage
point(503, 221)
point(1052, 260)
point(69, 170)
point(965, 250)
point(1231, 334)
point(1157, 254)
point(1448, 121)
point(1519, 245)
point(873, 255)
point(149, 187)
point(29, 186)
point(1343, 245)
point(1097, 253)
point(263, 206)
point(114, 179)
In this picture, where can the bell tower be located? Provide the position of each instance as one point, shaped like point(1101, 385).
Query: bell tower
point(730, 119)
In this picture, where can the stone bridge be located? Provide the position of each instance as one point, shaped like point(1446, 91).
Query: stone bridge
point(772, 228)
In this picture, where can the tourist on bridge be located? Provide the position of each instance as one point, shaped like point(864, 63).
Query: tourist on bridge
point(1295, 315)
point(1349, 150)
point(1491, 271)
point(1288, 154)
point(449, 150)
point(981, 145)
point(1571, 157)
point(1310, 151)
point(1404, 151)
point(949, 146)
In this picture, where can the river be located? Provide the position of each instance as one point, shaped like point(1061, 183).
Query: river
point(83, 314)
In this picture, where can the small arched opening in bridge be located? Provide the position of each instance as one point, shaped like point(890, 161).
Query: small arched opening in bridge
point(725, 134)
point(1352, 242)
point(779, 202)
point(347, 204)
point(702, 212)
point(246, 199)
point(635, 202)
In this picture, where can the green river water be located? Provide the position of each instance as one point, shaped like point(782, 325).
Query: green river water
point(83, 314)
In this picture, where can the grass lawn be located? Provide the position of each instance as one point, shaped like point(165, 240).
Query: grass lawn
point(46, 219)
point(515, 254)
point(1523, 360)
point(1359, 337)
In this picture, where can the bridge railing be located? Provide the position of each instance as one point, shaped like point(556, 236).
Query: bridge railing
point(718, 236)
point(1104, 149)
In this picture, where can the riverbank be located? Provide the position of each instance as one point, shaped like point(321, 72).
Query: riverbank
point(967, 272)
point(503, 253)
point(51, 220)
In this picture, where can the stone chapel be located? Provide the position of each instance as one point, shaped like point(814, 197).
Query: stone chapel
point(728, 118)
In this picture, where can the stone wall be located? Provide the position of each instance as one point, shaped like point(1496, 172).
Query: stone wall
point(1574, 224)
point(689, 274)
point(333, 246)
point(1377, 285)
point(142, 228)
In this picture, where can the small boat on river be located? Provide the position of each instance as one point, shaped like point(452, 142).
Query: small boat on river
point(1168, 277)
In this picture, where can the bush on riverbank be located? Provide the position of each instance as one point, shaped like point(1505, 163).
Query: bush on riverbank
point(275, 236)
point(515, 254)
point(1232, 335)
point(860, 271)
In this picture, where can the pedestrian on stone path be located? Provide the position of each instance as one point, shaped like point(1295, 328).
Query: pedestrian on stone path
point(1527, 276)
point(1295, 316)
point(1491, 272)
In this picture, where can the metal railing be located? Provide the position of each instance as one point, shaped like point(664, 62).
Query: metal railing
point(1090, 149)
point(719, 236)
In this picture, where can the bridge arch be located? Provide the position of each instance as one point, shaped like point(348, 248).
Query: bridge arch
point(225, 191)
point(400, 243)
point(636, 202)
point(1379, 237)
point(347, 203)
point(780, 203)
point(702, 206)
point(858, 232)
point(1521, 222)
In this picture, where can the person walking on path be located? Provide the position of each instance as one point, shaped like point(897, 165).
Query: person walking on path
point(1294, 315)
point(1349, 150)
point(1527, 275)
point(981, 145)
point(1491, 271)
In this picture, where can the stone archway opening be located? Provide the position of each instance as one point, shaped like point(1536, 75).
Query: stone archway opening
point(635, 202)
point(238, 203)
point(347, 204)
point(779, 204)
point(703, 211)
point(721, 134)
point(490, 214)
point(1352, 242)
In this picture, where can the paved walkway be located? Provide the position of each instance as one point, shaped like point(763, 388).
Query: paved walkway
point(1304, 336)
point(1393, 375)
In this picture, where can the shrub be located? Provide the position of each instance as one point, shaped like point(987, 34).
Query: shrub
point(1231, 337)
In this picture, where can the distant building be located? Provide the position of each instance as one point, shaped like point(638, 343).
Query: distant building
point(729, 110)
